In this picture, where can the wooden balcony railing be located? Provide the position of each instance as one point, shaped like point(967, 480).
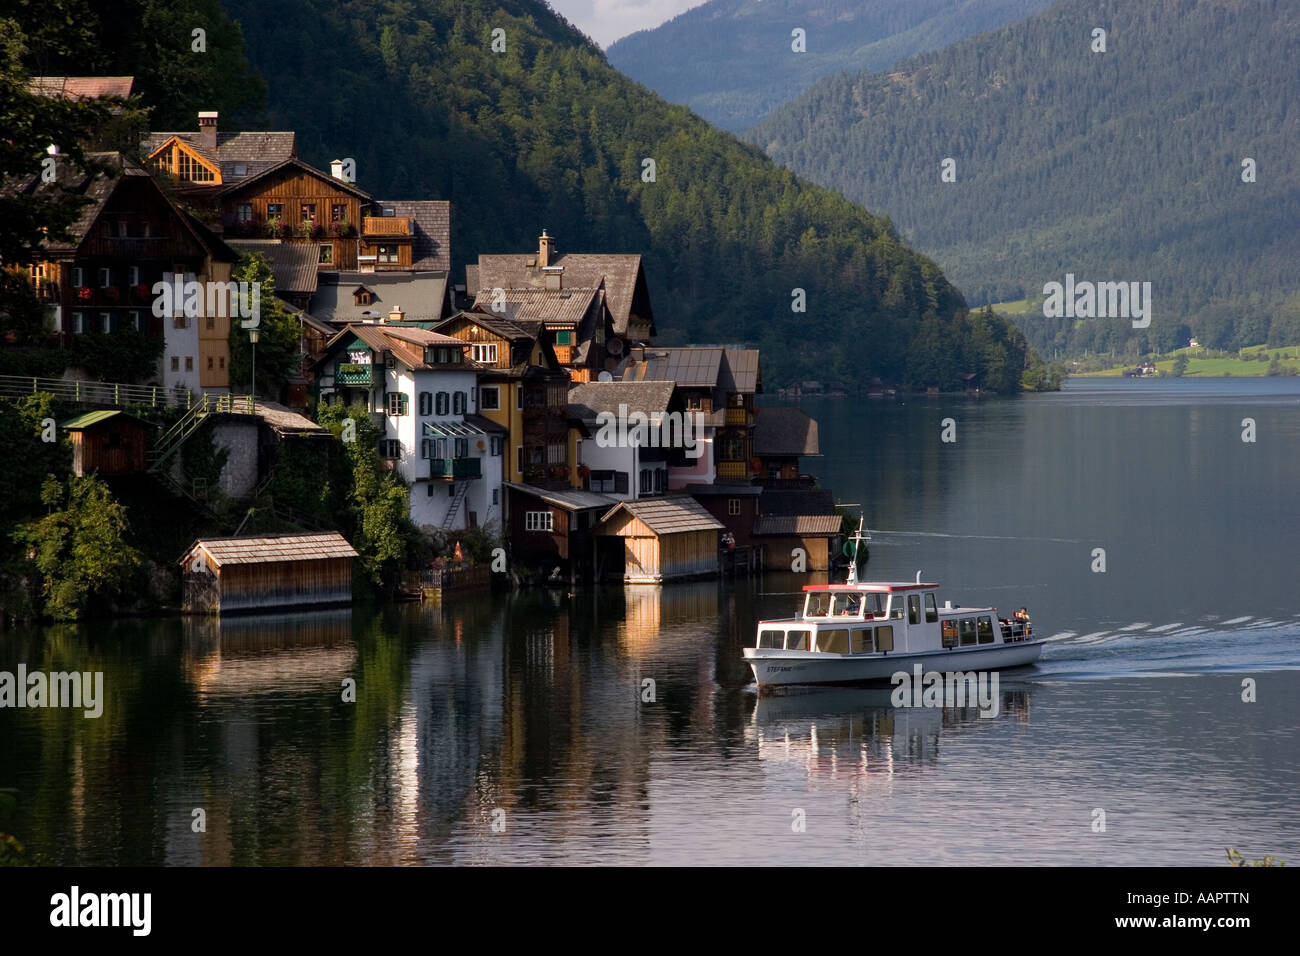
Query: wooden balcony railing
point(385, 226)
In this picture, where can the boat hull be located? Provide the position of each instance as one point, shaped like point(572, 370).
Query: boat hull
point(774, 667)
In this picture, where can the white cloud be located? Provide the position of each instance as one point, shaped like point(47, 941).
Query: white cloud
point(607, 20)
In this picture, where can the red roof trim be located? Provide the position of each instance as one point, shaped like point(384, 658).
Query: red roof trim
point(872, 588)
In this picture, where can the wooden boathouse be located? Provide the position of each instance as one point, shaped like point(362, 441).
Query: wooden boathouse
point(109, 443)
point(661, 539)
point(221, 575)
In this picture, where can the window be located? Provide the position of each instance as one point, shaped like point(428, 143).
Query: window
point(244, 212)
point(133, 275)
point(179, 321)
point(326, 253)
point(451, 489)
point(647, 481)
point(388, 253)
point(860, 641)
point(426, 447)
point(338, 212)
point(985, 630)
point(176, 363)
point(458, 402)
point(462, 447)
point(211, 363)
point(484, 353)
point(556, 453)
point(966, 627)
point(489, 399)
point(913, 609)
point(539, 521)
point(399, 403)
point(189, 363)
point(275, 210)
point(122, 231)
point(309, 212)
point(78, 275)
point(620, 482)
point(390, 448)
point(361, 297)
point(733, 506)
point(241, 169)
point(833, 642)
point(796, 641)
point(441, 406)
point(519, 458)
point(105, 322)
point(496, 492)
point(212, 321)
point(564, 337)
point(426, 403)
point(661, 481)
point(498, 445)
point(885, 638)
point(221, 362)
point(105, 278)
point(137, 321)
point(818, 604)
point(949, 633)
point(931, 612)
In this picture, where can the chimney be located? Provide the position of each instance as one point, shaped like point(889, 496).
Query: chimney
point(336, 168)
point(397, 314)
point(554, 277)
point(208, 131)
point(545, 246)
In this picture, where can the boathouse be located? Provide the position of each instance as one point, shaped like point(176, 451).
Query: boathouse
point(782, 536)
point(661, 539)
point(221, 575)
point(109, 443)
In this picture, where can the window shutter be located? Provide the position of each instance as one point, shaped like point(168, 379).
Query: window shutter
point(426, 403)
point(458, 403)
point(442, 403)
point(620, 482)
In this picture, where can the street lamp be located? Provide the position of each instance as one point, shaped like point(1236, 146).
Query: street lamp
point(252, 391)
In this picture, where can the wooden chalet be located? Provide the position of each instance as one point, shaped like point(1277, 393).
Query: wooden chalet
point(596, 306)
point(551, 528)
point(109, 443)
point(782, 435)
point(656, 540)
point(221, 575)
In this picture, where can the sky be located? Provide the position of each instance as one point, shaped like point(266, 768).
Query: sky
point(608, 20)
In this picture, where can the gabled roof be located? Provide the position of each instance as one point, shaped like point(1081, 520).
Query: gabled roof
point(431, 248)
point(419, 294)
point(293, 263)
point(82, 87)
point(289, 165)
point(273, 548)
point(256, 151)
point(590, 399)
point(672, 515)
point(813, 525)
point(407, 344)
point(551, 306)
point(783, 430)
point(620, 275)
point(498, 325)
point(91, 419)
point(571, 500)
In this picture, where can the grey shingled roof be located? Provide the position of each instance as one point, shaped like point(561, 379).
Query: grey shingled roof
point(673, 515)
point(82, 87)
point(589, 399)
point(294, 263)
point(431, 243)
point(552, 306)
point(814, 525)
point(781, 430)
point(619, 274)
point(572, 500)
point(420, 295)
point(274, 548)
point(688, 367)
point(257, 151)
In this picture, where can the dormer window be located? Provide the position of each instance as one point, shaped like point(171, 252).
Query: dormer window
point(241, 169)
point(362, 296)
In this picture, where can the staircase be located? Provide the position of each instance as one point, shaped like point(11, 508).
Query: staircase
point(455, 506)
point(174, 437)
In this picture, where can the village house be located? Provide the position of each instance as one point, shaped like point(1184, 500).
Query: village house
point(423, 387)
point(625, 462)
point(782, 435)
point(597, 306)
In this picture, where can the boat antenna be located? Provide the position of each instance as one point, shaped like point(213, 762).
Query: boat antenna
point(858, 538)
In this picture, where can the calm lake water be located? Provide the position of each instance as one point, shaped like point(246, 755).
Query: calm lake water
point(531, 704)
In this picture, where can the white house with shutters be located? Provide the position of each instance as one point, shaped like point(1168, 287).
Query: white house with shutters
point(423, 387)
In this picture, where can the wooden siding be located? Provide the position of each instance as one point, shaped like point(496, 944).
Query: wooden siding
point(249, 587)
point(649, 558)
point(113, 448)
point(778, 552)
point(292, 188)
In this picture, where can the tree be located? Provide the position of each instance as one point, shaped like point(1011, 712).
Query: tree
point(1180, 365)
point(279, 349)
point(80, 551)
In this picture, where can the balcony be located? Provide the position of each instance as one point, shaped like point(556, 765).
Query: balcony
point(354, 374)
point(455, 469)
point(733, 469)
point(385, 226)
point(739, 416)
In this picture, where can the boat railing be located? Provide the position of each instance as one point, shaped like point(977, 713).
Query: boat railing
point(1014, 630)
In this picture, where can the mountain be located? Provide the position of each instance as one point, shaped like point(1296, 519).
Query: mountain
point(1118, 165)
point(732, 61)
point(548, 135)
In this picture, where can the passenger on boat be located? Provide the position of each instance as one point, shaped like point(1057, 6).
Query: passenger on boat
point(854, 606)
point(1022, 614)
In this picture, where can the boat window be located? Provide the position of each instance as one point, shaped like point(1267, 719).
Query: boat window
point(950, 633)
point(796, 641)
point(833, 642)
point(896, 606)
point(771, 638)
point(819, 604)
point(860, 641)
point(931, 612)
point(986, 630)
point(848, 604)
point(885, 638)
point(914, 609)
point(967, 630)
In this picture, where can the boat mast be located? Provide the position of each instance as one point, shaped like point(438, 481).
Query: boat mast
point(857, 539)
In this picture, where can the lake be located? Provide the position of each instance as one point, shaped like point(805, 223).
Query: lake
point(514, 729)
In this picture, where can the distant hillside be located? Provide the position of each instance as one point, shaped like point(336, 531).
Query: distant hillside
point(731, 60)
point(1122, 165)
point(548, 135)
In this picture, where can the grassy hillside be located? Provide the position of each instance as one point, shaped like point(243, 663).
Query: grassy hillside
point(731, 60)
point(1116, 165)
point(547, 135)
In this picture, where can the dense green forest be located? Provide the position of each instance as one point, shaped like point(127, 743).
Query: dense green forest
point(732, 61)
point(547, 135)
point(1123, 165)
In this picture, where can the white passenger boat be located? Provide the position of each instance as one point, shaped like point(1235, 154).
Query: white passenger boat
point(867, 631)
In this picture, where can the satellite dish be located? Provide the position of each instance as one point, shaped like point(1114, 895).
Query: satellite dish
point(614, 346)
point(604, 377)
